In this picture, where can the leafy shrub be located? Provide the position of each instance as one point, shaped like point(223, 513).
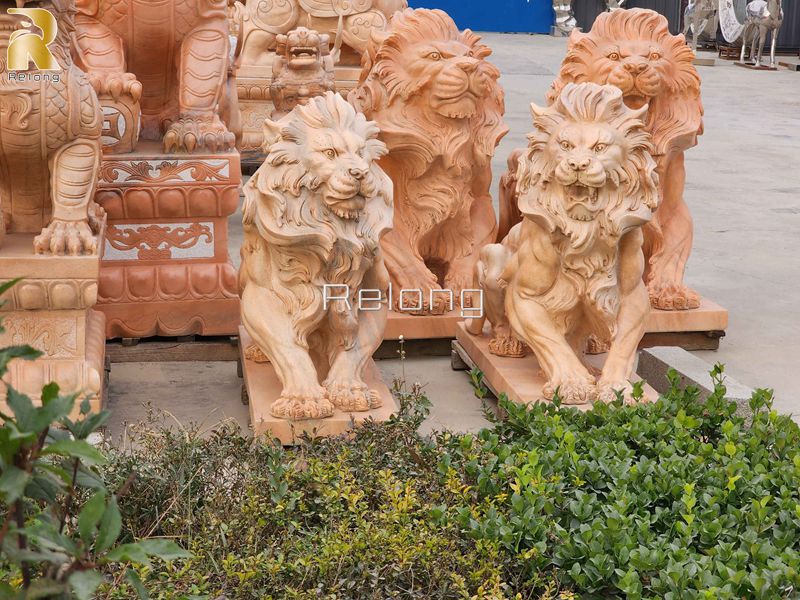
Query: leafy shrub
point(676, 499)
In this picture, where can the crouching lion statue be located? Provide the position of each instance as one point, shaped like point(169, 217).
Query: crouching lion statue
point(314, 214)
point(634, 51)
point(50, 126)
point(573, 267)
point(440, 109)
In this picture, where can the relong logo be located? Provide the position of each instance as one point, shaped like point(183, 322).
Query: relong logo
point(27, 45)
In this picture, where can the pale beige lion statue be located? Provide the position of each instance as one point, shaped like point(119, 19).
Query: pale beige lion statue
point(573, 267)
point(634, 50)
point(314, 214)
point(440, 110)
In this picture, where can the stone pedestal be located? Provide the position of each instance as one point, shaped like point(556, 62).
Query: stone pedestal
point(262, 388)
point(709, 316)
point(51, 310)
point(422, 327)
point(521, 379)
point(166, 269)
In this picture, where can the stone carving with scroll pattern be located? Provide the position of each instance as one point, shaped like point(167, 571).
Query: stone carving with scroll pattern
point(314, 214)
point(573, 267)
point(634, 50)
point(169, 59)
point(302, 69)
point(440, 109)
point(49, 147)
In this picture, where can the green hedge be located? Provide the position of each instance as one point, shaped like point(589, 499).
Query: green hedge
point(676, 499)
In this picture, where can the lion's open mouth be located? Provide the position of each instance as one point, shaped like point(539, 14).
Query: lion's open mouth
point(347, 208)
point(582, 201)
point(303, 55)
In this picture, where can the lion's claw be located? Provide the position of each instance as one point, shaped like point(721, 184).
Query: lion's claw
point(507, 345)
point(66, 237)
point(191, 133)
point(607, 391)
point(352, 397)
point(571, 390)
point(298, 407)
point(672, 296)
point(116, 84)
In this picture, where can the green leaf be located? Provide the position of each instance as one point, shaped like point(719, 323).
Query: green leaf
point(44, 588)
point(9, 354)
point(4, 287)
point(90, 516)
point(164, 549)
point(12, 483)
point(84, 583)
point(134, 553)
point(137, 584)
point(22, 408)
point(76, 449)
point(110, 526)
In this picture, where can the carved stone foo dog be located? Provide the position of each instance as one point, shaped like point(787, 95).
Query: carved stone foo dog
point(177, 55)
point(314, 214)
point(440, 111)
point(634, 50)
point(573, 267)
point(49, 144)
point(302, 69)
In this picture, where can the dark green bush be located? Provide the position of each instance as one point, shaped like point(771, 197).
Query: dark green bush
point(677, 499)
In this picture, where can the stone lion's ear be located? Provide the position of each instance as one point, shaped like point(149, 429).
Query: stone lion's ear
point(272, 132)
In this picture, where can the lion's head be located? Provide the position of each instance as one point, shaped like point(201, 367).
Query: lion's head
point(634, 51)
point(588, 169)
point(425, 65)
point(327, 148)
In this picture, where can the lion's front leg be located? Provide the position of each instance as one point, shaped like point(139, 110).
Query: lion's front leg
point(633, 311)
point(345, 384)
point(203, 74)
point(267, 321)
point(566, 374)
point(665, 274)
point(73, 172)
point(408, 272)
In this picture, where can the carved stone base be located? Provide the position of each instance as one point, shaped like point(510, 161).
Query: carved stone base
point(50, 309)
point(520, 379)
point(166, 269)
point(747, 65)
point(263, 387)
point(422, 327)
point(708, 317)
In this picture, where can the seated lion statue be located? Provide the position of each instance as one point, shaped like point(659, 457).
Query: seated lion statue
point(634, 51)
point(314, 214)
point(573, 267)
point(440, 110)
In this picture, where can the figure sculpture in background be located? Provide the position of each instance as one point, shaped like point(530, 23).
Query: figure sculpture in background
point(573, 266)
point(763, 17)
point(696, 17)
point(314, 214)
point(440, 111)
point(565, 19)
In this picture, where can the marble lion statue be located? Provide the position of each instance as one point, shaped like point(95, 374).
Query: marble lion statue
point(314, 214)
point(440, 110)
point(49, 134)
point(634, 50)
point(573, 266)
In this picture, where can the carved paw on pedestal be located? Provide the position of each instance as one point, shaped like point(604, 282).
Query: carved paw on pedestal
point(672, 296)
point(66, 237)
point(202, 133)
point(116, 84)
point(507, 345)
point(607, 391)
point(571, 390)
point(353, 396)
point(300, 406)
point(410, 303)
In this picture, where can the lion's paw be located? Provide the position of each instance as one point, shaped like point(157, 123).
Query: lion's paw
point(507, 345)
point(571, 390)
point(595, 345)
point(97, 215)
point(191, 133)
point(66, 237)
point(352, 397)
point(116, 84)
point(298, 407)
point(672, 296)
point(607, 391)
point(413, 304)
point(254, 353)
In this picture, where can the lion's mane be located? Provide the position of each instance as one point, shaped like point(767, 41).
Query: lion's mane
point(409, 125)
point(590, 256)
point(302, 243)
point(675, 118)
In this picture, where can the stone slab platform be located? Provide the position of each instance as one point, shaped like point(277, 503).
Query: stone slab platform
point(519, 378)
point(263, 387)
